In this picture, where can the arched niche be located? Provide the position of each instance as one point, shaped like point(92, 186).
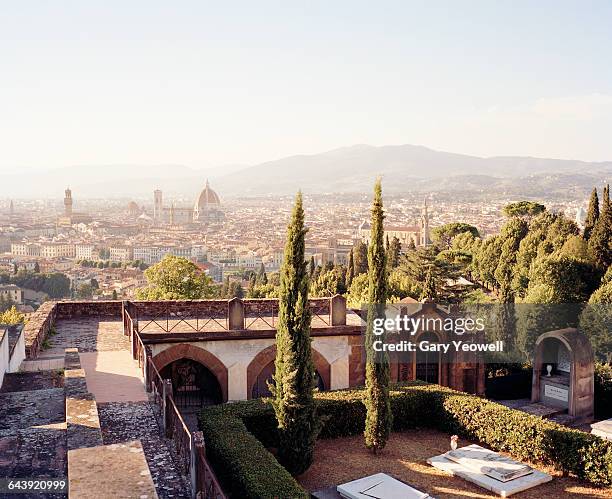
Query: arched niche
point(563, 372)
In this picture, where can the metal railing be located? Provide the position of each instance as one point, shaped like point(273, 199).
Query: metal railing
point(199, 316)
point(188, 446)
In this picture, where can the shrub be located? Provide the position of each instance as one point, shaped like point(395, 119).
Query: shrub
point(237, 435)
point(603, 390)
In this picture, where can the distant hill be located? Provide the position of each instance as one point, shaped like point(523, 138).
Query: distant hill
point(404, 168)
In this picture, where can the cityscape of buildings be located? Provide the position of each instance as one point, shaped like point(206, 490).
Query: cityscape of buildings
point(110, 243)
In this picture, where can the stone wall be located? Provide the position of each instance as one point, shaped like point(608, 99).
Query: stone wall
point(70, 309)
point(37, 328)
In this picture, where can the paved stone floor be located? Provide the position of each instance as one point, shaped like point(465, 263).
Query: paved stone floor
point(20, 382)
point(28, 409)
point(125, 421)
point(32, 435)
point(88, 335)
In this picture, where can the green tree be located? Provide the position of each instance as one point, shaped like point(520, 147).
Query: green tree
point(12, 317)
point(360, 258)
point(84, 291)
point(329, 283)
point(36, 268)
point(350, 270)
point(394, 252)
point(600, 242)
point(526, 209)
point(294, 377)
point(114, 296)
point(596, 319)
point(379, 418)
point(175, 278)
point(445, 234)
point(235, 290)
point(313, 266)
point(429, 289)
point(262, 277)
point(357, 294)
point(512, 234)
point(592, 215)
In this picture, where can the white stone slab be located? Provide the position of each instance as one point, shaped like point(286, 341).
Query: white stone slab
point(477, 458)
point(379, 486)
point(603, 429)
point(503, 489)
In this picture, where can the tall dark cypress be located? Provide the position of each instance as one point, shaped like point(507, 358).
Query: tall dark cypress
point(600, 242)
point(592, 215)
point(429, 288)
point(294, 380)
point(350, 270)
point(379, 417)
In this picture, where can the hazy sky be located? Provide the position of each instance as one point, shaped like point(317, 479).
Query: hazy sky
point(208, 83)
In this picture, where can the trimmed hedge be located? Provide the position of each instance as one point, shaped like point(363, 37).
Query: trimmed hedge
point(237, 435)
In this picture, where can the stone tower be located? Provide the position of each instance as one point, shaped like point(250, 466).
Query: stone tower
point(157, 205)
point(68, 202)
point(425, 240)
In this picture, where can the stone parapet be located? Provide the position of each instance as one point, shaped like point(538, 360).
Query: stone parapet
point(38, 327)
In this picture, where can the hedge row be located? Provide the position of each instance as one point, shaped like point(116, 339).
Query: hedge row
point(238, 434)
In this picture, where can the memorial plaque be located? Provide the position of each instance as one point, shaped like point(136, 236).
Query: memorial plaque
point(554, 392)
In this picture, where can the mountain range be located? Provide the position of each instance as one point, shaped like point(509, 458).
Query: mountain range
point(403, 168)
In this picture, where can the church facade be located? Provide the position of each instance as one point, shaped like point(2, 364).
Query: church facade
point(206, 209)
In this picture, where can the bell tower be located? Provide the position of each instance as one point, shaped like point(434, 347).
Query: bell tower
point(68, 202)
point(424, 236)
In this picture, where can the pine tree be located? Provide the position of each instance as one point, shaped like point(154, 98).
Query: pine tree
point(600, 242)
point(350, 270)
point(592, 215)
point(379, 417)
point(294, 381)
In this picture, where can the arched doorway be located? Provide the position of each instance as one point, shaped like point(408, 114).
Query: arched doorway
point(260, 386)
point(261, 368)
point(204, 363)
point(193, 385)
point(427, 362)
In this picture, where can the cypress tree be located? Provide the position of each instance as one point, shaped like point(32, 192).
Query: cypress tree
point(600, 242)
point(350, 270)
point(360, 258)
point(313, 266)
point(592, 215)
point(294, 380)
point(394, 252)
point(429, 288)
point(262, 278)
point(379, 417)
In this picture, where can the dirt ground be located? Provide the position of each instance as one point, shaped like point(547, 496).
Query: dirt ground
point(341, 460)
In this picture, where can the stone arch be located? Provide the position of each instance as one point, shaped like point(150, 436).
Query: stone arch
point(204, 357)
point(268, 354)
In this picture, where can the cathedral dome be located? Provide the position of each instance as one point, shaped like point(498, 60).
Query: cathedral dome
point(207, 198)
point(206, 203)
